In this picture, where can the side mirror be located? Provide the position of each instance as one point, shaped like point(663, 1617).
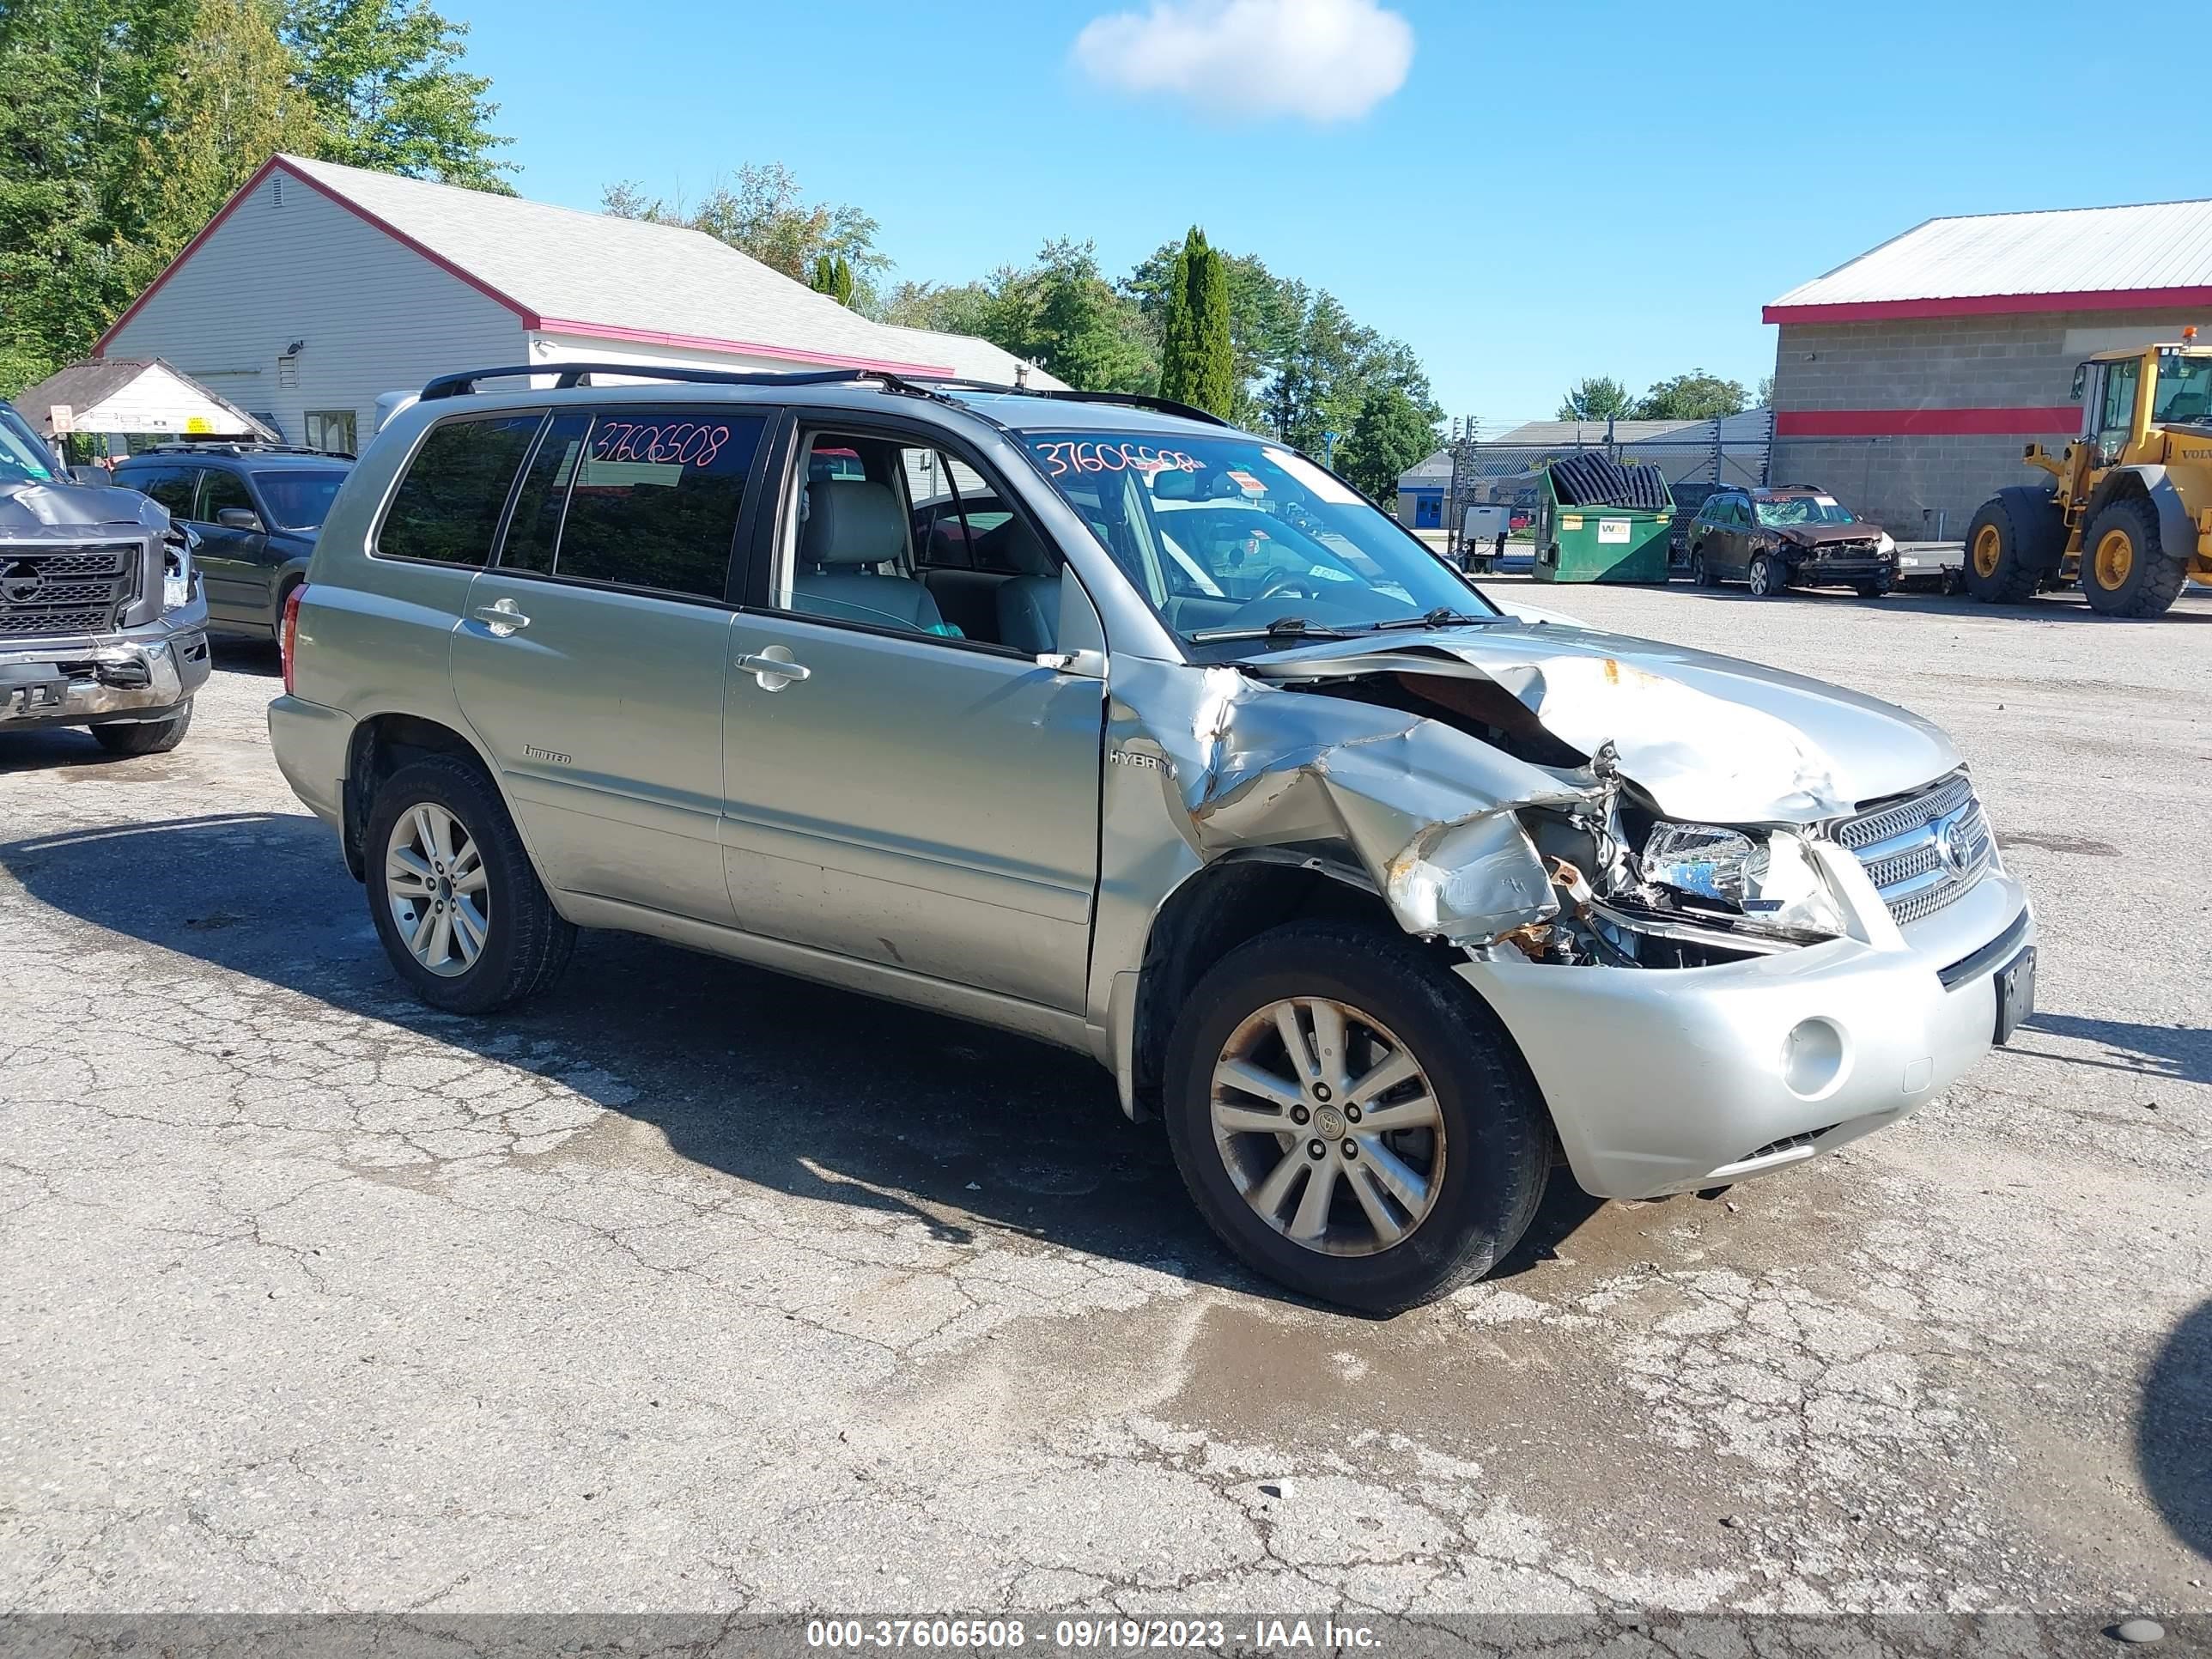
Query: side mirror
point(2081, 379)
point(238, 518)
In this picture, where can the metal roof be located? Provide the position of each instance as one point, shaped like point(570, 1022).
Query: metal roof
point(2116, 258)
point(562, 270)
point(84, 387)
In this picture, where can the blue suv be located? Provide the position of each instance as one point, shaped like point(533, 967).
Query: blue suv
point(256, 508)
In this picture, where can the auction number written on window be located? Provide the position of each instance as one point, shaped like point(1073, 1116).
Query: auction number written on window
point(678, 443)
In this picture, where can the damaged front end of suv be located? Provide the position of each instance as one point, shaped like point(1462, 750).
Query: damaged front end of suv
point(1730, 917)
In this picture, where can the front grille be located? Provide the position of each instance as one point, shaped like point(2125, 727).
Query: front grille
point(1845, 551)
point(74, 590)
point(1788, 1143)
point(1924, 852)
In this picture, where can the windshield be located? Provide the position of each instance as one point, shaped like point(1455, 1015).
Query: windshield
point(1805, 509)
point(300, 500)
point(2184, 389)
point(1234, 536)
point(23, 459)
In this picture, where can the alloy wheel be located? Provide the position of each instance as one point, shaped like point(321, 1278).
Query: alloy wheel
point(436, 884)
point(1328, 1126)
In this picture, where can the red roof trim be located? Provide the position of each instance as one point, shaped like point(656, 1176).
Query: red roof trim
point(529, 316)
point(1926, 422)
point(1989, 305)
point(701, 343)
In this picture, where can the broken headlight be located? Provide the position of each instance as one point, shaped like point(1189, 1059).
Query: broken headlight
point(177, 551)
point(1759, 881)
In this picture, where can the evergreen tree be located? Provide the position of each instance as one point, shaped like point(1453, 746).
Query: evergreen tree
point(1180, 367)
point(1214, 386)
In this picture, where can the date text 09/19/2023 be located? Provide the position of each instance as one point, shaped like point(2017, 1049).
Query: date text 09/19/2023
point(1078, 1635)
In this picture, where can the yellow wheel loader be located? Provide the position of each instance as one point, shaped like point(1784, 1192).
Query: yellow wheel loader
point(2129, 511)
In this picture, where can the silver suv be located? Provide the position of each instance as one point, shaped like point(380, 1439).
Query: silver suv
point(1094, 718)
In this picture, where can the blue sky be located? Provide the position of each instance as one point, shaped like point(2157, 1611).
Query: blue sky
point(1552, 192)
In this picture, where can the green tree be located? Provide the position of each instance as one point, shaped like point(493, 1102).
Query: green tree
point(386, 81)
point(1197, 356)
point(761, 211)
point(833, 275)
point(1765, 397)
point(1178, 326)
point(229, 104)
point(1390, 433)
point(1595, 398)
point(1696, 396)
point(1076, 324)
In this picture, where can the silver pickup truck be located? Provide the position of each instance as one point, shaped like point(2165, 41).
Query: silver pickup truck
point(102, 622)
point(1095, 719)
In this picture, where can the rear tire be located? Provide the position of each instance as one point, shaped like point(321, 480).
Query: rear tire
point(2125, 570)
point(145, 736)
point(2007, 559)
point(525, 942)
point(1476, 1138)
point(1700, 572)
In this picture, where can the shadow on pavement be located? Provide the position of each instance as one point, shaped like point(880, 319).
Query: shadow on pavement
point(814, 1091)
point(2180, 1052)
point(2173, 1435)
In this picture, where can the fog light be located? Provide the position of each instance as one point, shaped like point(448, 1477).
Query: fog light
point(1812, 1058)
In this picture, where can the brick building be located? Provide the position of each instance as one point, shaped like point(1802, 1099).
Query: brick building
point(1909, 380)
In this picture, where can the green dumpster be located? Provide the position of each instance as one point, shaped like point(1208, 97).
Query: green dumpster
point(1603, 522)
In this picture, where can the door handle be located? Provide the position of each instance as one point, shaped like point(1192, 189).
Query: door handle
point(772, 667)
point(503, 618)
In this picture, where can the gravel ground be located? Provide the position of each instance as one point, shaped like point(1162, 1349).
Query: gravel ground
point(692, 1288)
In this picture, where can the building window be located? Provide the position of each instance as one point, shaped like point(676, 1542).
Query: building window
point(332, 430)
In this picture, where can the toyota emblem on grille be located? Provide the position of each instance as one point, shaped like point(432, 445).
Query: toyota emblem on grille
point(1951, 845)
point(21, 582)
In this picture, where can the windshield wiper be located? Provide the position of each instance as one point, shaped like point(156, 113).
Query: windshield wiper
point(1283, 628)
point(1442, 616)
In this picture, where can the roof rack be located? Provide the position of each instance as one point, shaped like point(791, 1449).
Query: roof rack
point(570, 375)
point(238, 446)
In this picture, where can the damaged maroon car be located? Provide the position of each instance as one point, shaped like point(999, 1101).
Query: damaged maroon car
point(1788, 536)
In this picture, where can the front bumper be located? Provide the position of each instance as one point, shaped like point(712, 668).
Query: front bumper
point(1665, 1080)
point(1810, 572)
point(102, 679)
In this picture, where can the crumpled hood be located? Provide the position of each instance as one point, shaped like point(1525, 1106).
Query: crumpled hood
point(1824, 535)
point(1708, 738)
point(41, 507)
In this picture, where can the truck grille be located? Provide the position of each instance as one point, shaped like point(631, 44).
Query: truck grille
point(1924, 852)
point(76, 590)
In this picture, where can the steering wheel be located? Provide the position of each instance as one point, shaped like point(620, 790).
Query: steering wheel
point(1288, 584)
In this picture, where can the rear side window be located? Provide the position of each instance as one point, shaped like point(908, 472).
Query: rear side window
point(446, 508)
point(172, 486)
point(653, 499)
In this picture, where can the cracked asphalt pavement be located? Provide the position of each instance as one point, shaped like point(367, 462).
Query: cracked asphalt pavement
point(693, 1288)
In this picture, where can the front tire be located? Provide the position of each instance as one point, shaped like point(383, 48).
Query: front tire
point(1765, 577)
point(2008, 559)
point(145, 736)
point(1433, 1141)
point(462, 914)
point(1872, 590)
point(2125, 571)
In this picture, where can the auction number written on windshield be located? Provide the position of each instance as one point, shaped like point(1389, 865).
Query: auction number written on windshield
point(1063, 457)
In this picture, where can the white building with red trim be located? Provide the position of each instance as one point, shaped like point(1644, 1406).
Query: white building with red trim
point(319, 288)
point(1910, 380)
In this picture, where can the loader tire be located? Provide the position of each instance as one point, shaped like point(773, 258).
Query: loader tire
point(2007, 559)
point(2125, 568)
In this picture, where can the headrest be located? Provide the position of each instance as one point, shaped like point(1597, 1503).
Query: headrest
point(851, 522)
point(1175, 485)
point(1014, 544)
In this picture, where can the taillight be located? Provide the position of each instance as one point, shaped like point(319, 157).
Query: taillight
point(287, 643)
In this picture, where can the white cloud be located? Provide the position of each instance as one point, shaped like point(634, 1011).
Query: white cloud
point(1325, 60)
